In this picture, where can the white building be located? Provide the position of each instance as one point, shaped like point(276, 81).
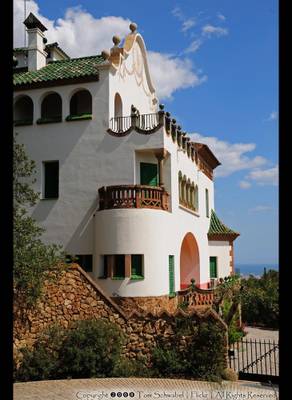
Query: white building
point(121, 185)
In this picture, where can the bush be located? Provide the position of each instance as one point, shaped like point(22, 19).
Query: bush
point(204, 357)
point(229, 374)
point(167, 362)
point(41, 362)
point(126, 368)
point(206, 354)
point(260, 300)
point(92, 348)
point(235, 332)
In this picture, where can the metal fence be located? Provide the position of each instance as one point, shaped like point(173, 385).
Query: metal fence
point(255, 359)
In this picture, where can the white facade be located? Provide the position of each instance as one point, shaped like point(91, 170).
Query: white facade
point(90, 158)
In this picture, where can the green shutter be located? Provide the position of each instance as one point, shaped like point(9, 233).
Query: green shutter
point(171, 275)
point(213, 267)
point(148, 174)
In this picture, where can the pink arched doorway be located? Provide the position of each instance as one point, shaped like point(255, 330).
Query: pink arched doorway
point(189, 261)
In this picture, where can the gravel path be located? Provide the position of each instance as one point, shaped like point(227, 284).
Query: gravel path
point(136, 388)
point(259, 333)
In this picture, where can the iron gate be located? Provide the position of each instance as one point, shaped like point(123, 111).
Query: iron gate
point(255, 360)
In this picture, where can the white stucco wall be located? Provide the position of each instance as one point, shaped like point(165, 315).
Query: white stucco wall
point(221, 249)
point(90, 158)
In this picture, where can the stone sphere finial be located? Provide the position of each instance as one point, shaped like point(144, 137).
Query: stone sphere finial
point(161, 107)
point(133, 27)
point(173, 120)
point(105, 54)
point(116, 40)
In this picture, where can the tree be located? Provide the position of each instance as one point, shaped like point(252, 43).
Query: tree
point(33, 260)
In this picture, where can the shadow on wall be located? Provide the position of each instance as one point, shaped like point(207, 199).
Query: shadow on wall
point(84, 232)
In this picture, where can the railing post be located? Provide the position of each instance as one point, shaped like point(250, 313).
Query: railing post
point(161, 114)
point(138, 197)
point(101, 193)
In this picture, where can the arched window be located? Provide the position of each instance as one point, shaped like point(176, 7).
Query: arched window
point(23, 111)
point(118, 106)
point(80, 105)
point(180, 186)
point(188, 193)
point(196, 198)
point(184, 190)
point(51, 109)
point(192, 196)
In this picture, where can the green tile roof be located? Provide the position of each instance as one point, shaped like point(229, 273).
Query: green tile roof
point(218, 228)
point(59, 70)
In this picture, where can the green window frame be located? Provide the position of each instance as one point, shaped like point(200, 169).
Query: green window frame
point(137, 266)
point(148, 174)
point(51, 180)
point(213, 267)
point(119, 267)
point(171, 275)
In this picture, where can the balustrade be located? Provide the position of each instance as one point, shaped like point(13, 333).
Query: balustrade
point(133, 196)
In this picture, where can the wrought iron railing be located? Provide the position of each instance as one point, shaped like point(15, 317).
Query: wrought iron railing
point(143, 122)
point(133, 196)
point(255, 359)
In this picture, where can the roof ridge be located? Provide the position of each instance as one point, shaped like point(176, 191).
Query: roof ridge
point(74, 59)
point(218, 227)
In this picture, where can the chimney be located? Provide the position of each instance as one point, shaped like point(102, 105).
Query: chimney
point(36, 43)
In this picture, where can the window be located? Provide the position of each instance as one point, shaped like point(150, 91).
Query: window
point(23, 111)
point(80, 106)
point(51, 180)
point(136, 266)
point(118, 106)
point(207, 203)
point(51, 109)
point(196, 198)
point(213, 267)
point(105, 267)
point(119, 267)
point(148, 174)
point(180, 186)
point(84, 260)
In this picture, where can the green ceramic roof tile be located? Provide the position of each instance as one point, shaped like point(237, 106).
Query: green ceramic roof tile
point(217, 227)
point(61, 69)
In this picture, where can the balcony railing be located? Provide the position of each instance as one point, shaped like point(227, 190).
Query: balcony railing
point(144, 123)
point(133, 196)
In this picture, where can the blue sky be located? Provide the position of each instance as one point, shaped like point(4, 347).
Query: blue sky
point(221, 59)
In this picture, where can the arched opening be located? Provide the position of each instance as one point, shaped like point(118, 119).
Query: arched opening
point(51, 109)
point(189, 261)
point(184, 190)
point(180, 186)
point(81, 103)
point(196, 198)
point(118, 106)
point(188, 193)
point(23, 111)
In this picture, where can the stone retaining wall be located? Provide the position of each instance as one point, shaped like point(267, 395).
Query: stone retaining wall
point(74, 296)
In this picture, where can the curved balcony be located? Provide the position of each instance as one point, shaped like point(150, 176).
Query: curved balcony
point(133, 196)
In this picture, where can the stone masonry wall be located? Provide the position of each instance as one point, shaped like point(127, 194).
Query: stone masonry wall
point(74, 296)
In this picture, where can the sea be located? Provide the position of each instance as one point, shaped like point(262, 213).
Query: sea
point(254, 269)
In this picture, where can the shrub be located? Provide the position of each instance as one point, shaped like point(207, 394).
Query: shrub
point(131, 368)
point(91, 349)
point(167, 362)
point(206, 353)
point(204, 357)
point(229, 374)
point(260, 301)
point(41, 362)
